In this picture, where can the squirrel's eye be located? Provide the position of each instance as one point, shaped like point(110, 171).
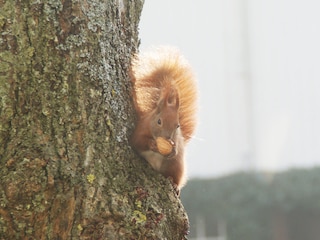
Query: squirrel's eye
point(159, 121)
point(178, 125)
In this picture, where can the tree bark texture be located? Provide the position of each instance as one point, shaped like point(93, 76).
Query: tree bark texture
point(66, 168)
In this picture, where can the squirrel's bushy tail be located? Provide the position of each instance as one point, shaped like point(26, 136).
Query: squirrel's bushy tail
point(156, 73)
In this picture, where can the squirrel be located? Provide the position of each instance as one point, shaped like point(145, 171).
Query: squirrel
point(165, 99)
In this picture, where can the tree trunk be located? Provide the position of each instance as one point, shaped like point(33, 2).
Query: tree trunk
point(66, 169)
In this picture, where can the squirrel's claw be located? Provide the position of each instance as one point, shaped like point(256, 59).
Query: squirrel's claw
point(153, 145)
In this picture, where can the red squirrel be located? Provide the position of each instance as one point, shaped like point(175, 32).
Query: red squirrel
point(165, 99)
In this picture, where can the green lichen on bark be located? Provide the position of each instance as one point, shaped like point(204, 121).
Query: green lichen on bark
point(66, 168)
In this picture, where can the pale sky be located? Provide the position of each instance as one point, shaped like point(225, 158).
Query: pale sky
point(258, 69)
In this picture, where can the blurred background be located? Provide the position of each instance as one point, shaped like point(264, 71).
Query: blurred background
point(254, 162)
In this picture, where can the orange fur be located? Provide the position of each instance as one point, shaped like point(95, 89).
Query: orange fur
point(165, 97)
point(160, 70)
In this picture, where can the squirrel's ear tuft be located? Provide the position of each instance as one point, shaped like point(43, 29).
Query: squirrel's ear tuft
point(173, 98)
point(161, 104)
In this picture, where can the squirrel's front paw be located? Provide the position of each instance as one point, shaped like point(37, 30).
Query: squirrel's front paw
point(153, 145)
point(172, 154)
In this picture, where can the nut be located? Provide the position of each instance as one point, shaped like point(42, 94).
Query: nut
point(164, 146)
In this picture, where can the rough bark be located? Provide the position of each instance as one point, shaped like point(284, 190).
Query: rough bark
point(66, 168)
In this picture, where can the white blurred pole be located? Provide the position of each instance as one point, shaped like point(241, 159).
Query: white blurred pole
point(238, 84)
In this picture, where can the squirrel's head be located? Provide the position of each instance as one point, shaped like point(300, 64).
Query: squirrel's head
point(165, 122)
